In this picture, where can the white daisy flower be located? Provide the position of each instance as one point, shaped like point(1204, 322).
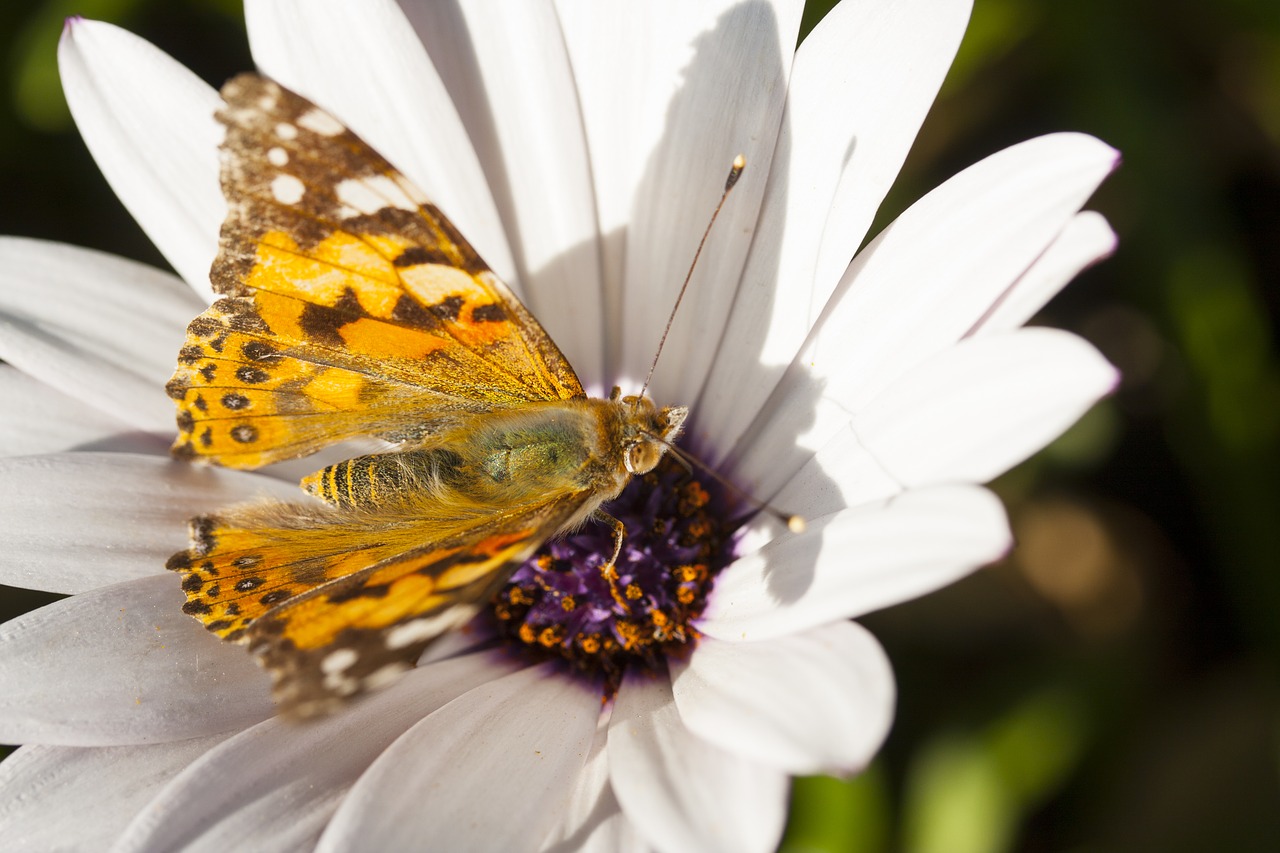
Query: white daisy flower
point(579, 145)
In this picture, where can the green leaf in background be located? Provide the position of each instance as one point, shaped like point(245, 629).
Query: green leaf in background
point(969, 792)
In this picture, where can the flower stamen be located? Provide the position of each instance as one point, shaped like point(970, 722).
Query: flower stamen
point(605, 615)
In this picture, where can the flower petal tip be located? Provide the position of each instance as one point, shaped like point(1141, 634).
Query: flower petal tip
point(1109, 377)
point(1117, 379)
point(1112, 245)
point(1098, 151)
point(70, 23)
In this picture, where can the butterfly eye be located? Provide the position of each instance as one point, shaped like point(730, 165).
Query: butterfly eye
point(643, 456)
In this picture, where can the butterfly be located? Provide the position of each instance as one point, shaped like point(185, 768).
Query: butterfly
point(351, 307)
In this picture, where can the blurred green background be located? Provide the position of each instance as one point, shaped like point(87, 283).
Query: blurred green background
point(1113, 685)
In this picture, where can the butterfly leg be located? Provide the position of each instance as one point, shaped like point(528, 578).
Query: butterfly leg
point(609, 571)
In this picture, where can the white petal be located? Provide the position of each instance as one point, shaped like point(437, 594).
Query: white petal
point(235, 796)
point(843, 473)
point(857, 561)
point(884, 111)
point(661, 142)
point(149, 124)
point(593, 821)
point(81, 798)
point(71, 522)
point(974, 411)
point(862, 83)
point(123, 665)
point(727, 101)
point(101, 329)
point(919, 287)
point(527, 131)
point(363, 63)
point(591, 798)
point(36, 418)
point(967, 414)
point(499, 764)
point(682, 792)
point(1086, 240)
point(817, 702)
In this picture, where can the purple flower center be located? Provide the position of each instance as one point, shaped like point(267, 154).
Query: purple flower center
point(563, 603)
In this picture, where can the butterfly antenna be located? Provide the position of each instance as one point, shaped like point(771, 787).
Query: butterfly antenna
point(735, 172)
point(794, 523)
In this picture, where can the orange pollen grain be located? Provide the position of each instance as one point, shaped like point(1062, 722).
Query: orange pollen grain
point(634, 591)
point(630, 633)
point(697, 495)
point(567, 603)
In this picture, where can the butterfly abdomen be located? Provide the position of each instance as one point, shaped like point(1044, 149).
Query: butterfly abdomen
point(384, 479)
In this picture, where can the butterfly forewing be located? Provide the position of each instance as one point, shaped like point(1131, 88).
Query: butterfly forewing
point(353, 306)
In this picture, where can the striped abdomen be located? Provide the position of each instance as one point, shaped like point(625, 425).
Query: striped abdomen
point(380, 479)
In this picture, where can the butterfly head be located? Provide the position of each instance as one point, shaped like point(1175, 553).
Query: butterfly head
point(648, 432)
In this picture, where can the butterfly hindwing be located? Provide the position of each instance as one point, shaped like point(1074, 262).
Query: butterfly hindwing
point(339, 601)
point(353, 306)
point(369, 628)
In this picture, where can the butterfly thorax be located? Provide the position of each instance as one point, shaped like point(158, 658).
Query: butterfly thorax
point(562, 446)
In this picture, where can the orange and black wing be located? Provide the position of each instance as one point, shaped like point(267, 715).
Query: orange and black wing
point(338, 602)
point(350, 305)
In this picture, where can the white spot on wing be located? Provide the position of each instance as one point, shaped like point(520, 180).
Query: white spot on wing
point(287, 189)
point(339, 660)
point(319, 121)
point(284, 130)
point(277, 156)
point(336, 682)
point(384, 675)
point(371, 194)
point(426, 628)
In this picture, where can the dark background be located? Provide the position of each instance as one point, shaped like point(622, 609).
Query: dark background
point(1113, 685)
